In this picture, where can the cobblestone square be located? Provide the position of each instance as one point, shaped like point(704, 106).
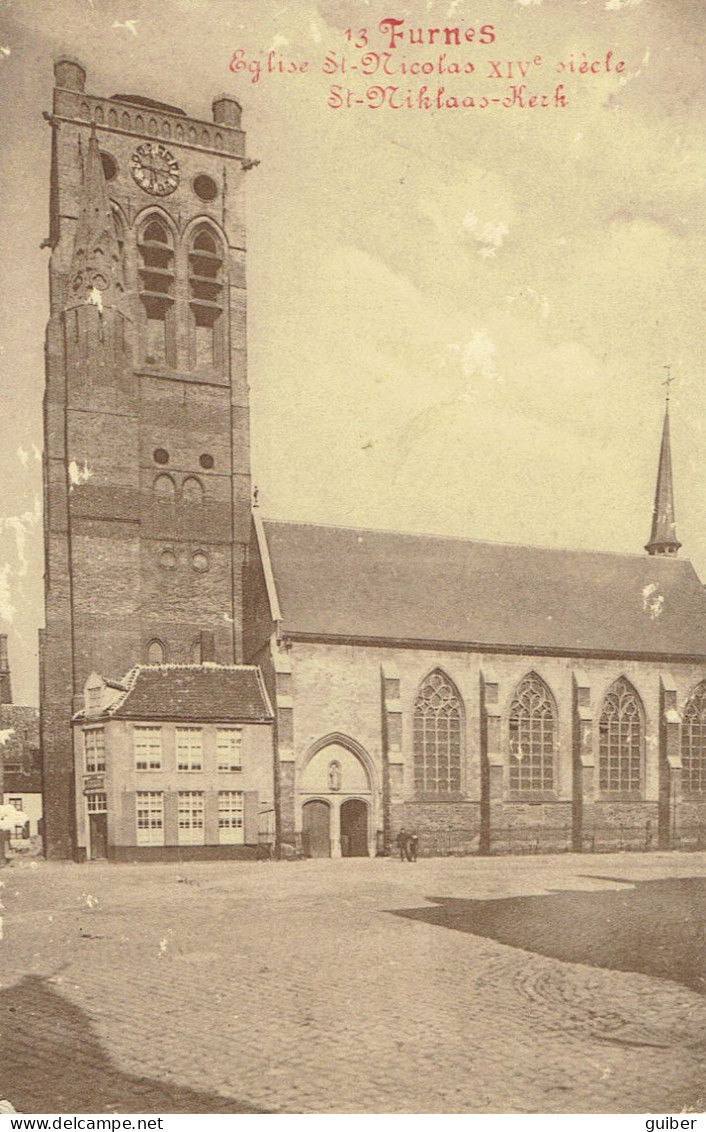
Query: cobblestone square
point(528, 984)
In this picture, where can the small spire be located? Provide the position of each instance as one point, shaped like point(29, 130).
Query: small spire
point(663, 538)
point(96, 274)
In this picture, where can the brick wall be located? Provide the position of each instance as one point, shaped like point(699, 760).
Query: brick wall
point(108, 407)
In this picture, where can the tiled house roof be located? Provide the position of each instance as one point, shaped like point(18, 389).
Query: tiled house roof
point(196, 692)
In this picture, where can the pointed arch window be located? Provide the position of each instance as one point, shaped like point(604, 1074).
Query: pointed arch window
point(438, 715)
point(206, 298)
point(156, 652)
point(164, 488)
point(693, 742)
point(532, 725)
point(621, 740)
point(192, 490)
point(156, 250)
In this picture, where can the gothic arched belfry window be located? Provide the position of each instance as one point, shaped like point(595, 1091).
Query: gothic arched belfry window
point(156, 652)
point(156, 248)
point(205, 298)
point(532, 738)
point(621, 740)
point(438, 715)
point(693, 742)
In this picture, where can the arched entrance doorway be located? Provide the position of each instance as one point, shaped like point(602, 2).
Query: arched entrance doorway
point(338, 800)
point(354, 828)
point(316, 828)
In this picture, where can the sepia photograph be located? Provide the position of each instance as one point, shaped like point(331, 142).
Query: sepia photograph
point(353, 559)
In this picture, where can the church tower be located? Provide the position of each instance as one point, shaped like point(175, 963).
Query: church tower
point(663, 536)
point(146, 430)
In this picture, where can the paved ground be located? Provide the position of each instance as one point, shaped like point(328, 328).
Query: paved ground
point(460, 985)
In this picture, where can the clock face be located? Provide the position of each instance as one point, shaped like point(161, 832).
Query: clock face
point(155, 169)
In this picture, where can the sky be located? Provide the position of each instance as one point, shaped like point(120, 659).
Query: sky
point(458, 317)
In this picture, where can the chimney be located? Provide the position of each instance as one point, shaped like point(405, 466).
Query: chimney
point(226, 111)
point(5, 685)
point(208, 646)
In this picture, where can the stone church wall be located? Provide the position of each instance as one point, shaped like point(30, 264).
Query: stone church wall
point(339, 690)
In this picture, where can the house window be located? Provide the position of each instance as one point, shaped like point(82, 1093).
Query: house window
point(147, 743)
point(94, 749)
point(94, 697)
point(230, 817)
point(150, 817)
point(437, 736)
point(621, 739)
point(532, 738)
point(229, 748)
point(189, 748)
point(97, 803)
point(19, 829)
point(191, 830)
point(693, 743)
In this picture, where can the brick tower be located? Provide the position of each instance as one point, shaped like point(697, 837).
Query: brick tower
point(146, 432)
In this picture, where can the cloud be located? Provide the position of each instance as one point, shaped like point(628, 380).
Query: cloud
point(529, 293)
point(627, 78)
point(7, 609)
point(20, 526)
point(478, 355)
point(488, 234)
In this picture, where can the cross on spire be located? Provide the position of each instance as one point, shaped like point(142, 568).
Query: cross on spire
point(668, 380)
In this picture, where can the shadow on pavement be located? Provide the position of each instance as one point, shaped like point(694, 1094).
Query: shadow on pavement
point(657, 928)
point(51, 1061)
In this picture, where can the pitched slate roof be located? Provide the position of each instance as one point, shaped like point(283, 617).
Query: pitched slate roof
point(194, 692)
point(338, 582)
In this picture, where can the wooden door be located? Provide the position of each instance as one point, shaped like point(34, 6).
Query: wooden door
point(316, 828)
point(354, 828)
point(99, 836)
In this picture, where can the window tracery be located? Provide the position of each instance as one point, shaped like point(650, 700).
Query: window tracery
point(532, 726)
point(621, 740)
point(693, 742)
point(437, 736)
